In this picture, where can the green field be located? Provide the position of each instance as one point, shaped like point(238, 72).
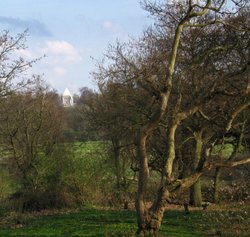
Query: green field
point(102, 222)
point(89, 170)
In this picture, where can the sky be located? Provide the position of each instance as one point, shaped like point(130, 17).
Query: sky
point(71, 33)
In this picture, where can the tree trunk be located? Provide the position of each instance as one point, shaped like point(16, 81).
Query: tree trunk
point(152, 216)
point(151, 223)
point(116, 155)
point(195, 191)
point(216, 198)
point(149, 220)
point(141, 209)
point(195, 194)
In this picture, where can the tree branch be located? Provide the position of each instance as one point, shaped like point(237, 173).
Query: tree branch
point(238, 110)
point(228, 164)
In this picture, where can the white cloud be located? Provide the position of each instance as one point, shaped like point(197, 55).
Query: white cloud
point(61, 52)
point(62, 64)
point(25, 53)
point(60, 72)
point(110, 26)
point(113, 28)
point(58, 53)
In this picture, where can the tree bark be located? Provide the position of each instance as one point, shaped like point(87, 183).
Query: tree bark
point(195, 191)
point(116, 155)
point(195, 194)
point(216, 196)
point(142, 181)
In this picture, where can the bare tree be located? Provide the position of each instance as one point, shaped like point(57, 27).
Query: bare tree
point(208, 15)
point(12, 66)
point(192, 69)
point(30, 130)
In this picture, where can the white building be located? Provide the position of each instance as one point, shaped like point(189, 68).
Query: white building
point(67, 98)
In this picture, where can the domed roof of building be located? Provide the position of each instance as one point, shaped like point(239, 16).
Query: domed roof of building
point(66, 92)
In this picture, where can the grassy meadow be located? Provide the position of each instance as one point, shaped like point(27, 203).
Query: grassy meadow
point(227, 221)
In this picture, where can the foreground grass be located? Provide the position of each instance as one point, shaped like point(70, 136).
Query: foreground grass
point(228, 221)
point(88, 222)
point(100, 222)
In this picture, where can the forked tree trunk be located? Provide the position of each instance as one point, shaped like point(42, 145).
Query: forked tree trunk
point(149, 220)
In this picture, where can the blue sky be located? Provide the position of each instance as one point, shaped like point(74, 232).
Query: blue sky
point(70, 33)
